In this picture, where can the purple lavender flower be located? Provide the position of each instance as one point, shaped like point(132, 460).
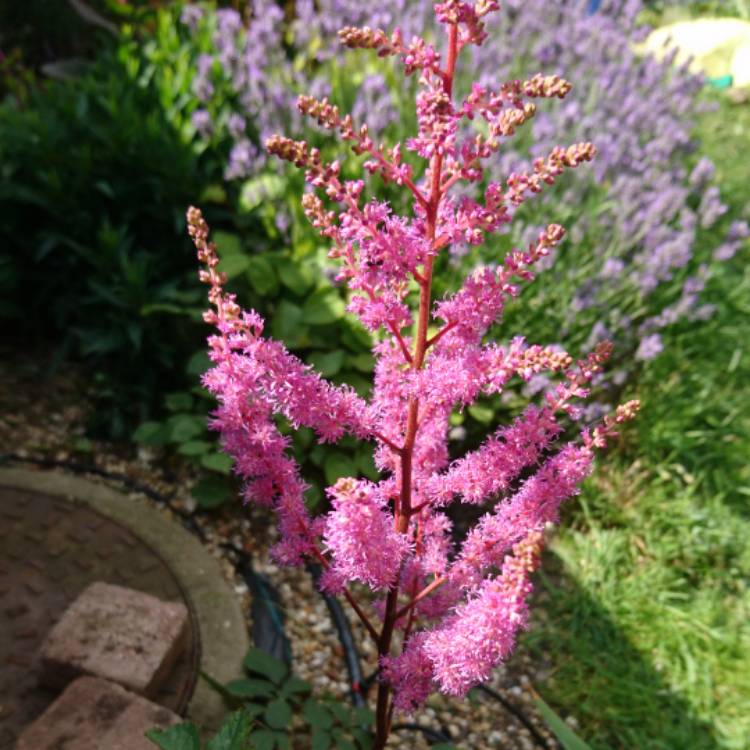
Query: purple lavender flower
point(649, 347)
point(201, 121)
point(242, 159)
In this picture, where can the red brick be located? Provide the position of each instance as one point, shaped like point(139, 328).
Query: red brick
point(93, 714)
point(118, 634)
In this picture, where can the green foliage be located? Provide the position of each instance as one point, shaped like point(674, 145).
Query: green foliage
point(93, 191)
point(646, 600)
point(233, 734)
point(564, 734)
point(273, 707)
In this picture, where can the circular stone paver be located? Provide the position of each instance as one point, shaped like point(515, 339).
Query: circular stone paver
point(58, 534)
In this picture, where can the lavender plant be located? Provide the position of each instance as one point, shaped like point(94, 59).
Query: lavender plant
point(445, 614)
point(647, 220)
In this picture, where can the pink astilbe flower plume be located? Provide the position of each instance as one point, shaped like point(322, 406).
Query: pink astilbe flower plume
point(448, 613)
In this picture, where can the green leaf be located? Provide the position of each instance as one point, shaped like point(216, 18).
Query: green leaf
point(227, 243)
point(482, 414)
point(363, 739)
point(366, 463)
point(321, 740)
point(263, 663)
point(263, 739)
point(194, 448)
point(212, 193)
point(184, 427)
point(233, 733)
point(198, 363)
point(363, 716)
point(317, 715)
point(261, 276)
point(295, 276)
point(234, 265)
point(261, 189)
point(219, 462)
point(210, 492)
point(278, 715)
point(327, 363)
point(250, 688)
point(295, 685)
point(179, 401)
point(178, 737)
point(364, 362)
point(443, 746)
point(341, 713)
point(566, 736)
point(323, 307)
point(338, 465)
point(150, 433)
point(287, 320)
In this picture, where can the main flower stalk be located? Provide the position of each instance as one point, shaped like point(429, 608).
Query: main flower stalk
point(448, 614)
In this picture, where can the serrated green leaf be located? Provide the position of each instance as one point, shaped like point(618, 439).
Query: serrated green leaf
point(482, 414)
point(194, 448)
point(227, 243)
point(323, 307)
point(363, 362)
point(234, 265)
point(327, 363)
point(321, 740)
point(250, 688)
point(150, 433)
point(261, 276)
point(198, 363)
point(263, 739)
point(260, 662)
point(294, 685)
point(278, 714)
point(286, 322)
point(294, 276)
point(341, 713)
point(363, 739)
point(363, 716)
point(261, 189)
point(338, 465)
point(184, 427)
point(210, 492)
point(179, 737)
point(219, 462)
point(366, 463)
point(179, 401)
point(317, 715)
point(565, 735)
point(233, 733)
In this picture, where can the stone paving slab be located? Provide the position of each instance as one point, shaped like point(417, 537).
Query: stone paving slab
point(93, 714)
point(118, 634)
point(223, 630)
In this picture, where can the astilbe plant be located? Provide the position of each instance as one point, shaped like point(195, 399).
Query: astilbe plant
point(447, 614)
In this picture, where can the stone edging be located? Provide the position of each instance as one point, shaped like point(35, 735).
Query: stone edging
point(223, 631)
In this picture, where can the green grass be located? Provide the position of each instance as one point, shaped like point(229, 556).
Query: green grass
point(645, 596)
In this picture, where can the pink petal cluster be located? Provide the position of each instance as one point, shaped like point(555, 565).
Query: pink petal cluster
point(480, 633)
point(358, 518)
point(440, 596)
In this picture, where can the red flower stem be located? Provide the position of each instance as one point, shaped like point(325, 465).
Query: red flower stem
point(383, 711)
point(426, 591)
